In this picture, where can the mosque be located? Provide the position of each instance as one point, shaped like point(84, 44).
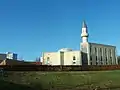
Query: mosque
point(89, 53)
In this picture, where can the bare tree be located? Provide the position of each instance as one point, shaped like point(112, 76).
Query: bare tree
point(38, 59)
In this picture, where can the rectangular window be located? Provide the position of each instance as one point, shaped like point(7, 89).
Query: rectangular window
point(95, 50)
point(90, 49)
point(106, 58)
point(101, 58)
point(101, 51)
point(111, 58)
point(110, 52)
point(90, 58)
point(105, 52)
point(96, 58)
point(90, 63)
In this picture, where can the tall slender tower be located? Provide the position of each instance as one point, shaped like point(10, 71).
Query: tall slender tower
point(84, 34)
point(84, 45)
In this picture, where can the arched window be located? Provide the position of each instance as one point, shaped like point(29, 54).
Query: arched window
point(73, 62)
point(48, 58)
point(74, 58)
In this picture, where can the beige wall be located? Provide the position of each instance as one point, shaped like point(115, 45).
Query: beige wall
point(68, 58)
point(62, 58)
point(54, 58)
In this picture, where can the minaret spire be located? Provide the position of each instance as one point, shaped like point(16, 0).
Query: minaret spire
point(84, 24)
point(84, 34)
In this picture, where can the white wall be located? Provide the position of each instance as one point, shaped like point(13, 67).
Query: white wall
point(102, 54)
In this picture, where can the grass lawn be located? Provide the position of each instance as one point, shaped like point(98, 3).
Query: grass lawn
point(104, 80)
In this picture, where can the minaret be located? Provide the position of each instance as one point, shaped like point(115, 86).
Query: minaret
point(84, 34)
point(84, 46)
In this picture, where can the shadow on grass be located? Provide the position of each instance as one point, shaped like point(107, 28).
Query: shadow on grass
point(6, 85)
point(111, 88)
point(93, 87)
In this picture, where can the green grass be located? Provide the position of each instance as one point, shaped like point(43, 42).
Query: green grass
point(105, 80)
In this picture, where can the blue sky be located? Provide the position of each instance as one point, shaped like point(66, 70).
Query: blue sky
point(29, 27)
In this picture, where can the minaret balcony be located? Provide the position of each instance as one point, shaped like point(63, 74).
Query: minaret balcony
point(84, 35)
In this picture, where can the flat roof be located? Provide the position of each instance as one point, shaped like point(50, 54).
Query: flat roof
point(102, 44)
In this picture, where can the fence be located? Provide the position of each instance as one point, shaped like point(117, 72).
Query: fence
point(58, 68)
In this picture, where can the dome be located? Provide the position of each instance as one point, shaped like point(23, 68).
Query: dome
point(65, 50)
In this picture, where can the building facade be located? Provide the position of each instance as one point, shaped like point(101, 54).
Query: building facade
point(102, 54)
point(89, 53)
point(2, 56)
point(8, 55)
point(11, 55)
point(62, 57)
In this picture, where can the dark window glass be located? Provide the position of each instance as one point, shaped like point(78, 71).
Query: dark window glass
point(90, 49)
point(106, 61)
point(101, 58)
point(110, 52)
point(91, 58)
point(96, 58)
point(48, 58)
point(100, 50)
point(106, 58)
point(95, 50)
point(74, 58)
point(90, 63)
point(105, 51)
point(73, 62)
point(110, 58)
